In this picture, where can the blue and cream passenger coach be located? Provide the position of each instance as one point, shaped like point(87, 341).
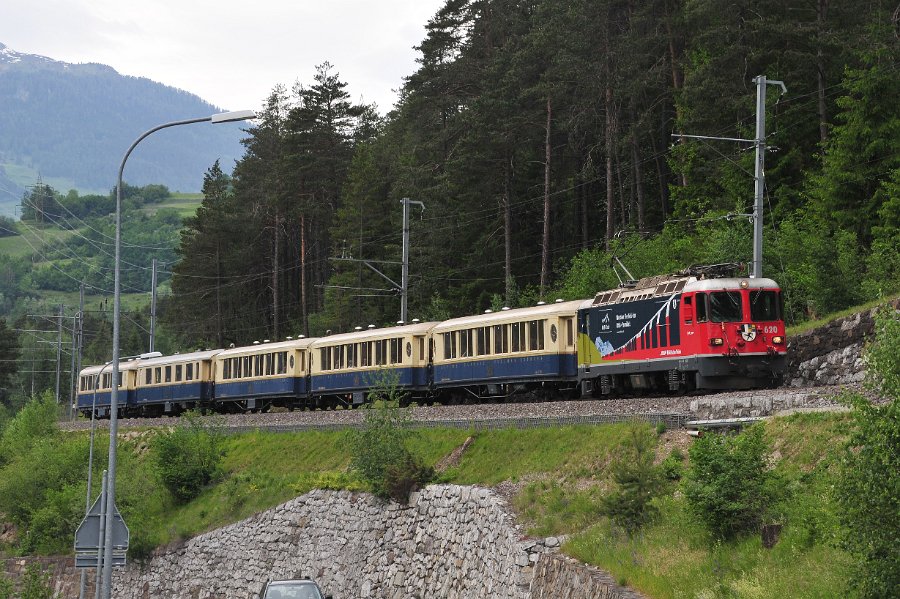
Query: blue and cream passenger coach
point(498, 354)
point(263, 375)
point(346, 367)
point(172, 384)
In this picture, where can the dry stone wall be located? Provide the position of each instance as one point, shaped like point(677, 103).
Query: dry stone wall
point(451, 542)
point(831, 354)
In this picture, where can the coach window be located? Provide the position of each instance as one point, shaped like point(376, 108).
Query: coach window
point(395, 351)
point(422, 348)
point(168, 374)
point(157, 375)
point(282, 362)
point(480, 345)
point(518, 336)
point(464, 344)
point(189, 371)
point(570, 332)
point(148, 376)
point(535, 335)
point(226, 369)
point(325, 356)
point(178, 372)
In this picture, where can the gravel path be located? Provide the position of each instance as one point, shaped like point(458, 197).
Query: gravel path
point(650, 408)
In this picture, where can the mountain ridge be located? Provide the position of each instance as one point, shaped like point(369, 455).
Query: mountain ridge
point(72, 123)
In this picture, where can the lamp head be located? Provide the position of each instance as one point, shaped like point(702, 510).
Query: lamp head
point(230, 117)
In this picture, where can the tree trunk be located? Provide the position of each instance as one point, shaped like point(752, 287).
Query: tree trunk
point(610, 196)
point(507, 231)
point(219, 337)
point(303, 310)
point(275, 268)
point(821, 14)
point(638, 182)
point(545, 246)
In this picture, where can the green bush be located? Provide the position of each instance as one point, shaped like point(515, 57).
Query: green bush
point(36, 583)
point(728, 485)
point(868, 490)
point(637, 481)
point(35, 421)
point(6, 586)
point(379, 451)
point(189, 457)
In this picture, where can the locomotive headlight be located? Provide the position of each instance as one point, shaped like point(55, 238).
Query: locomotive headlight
point(716, 341)
point(778, 340)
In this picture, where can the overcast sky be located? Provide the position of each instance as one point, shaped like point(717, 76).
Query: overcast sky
point(229, 53)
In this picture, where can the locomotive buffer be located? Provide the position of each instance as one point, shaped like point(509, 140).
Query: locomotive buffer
point(89, 542)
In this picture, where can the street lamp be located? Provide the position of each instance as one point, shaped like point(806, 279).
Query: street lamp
point(224, 117)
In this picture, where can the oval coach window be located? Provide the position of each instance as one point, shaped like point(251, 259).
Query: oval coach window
point(408, 349)
point(553, 332)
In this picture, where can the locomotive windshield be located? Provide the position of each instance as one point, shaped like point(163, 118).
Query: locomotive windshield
point(764, 305)
point(725, 306)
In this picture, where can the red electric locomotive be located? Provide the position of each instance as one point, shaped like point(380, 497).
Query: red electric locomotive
point(703, 328)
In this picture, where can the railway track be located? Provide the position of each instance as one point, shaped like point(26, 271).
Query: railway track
point(674, 411)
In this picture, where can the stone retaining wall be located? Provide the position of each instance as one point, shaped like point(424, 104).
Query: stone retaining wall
point(559, 577)
point(65, 579)
point(831, 354)
point(451, 541)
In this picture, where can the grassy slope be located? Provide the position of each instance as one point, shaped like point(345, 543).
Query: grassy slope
point(557, 476)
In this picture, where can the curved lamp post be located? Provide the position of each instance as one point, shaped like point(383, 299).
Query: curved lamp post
point(224, 117)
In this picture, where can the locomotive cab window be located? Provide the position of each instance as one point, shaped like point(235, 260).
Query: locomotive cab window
point(764, 305)
point(725, 306)
point(702, 308)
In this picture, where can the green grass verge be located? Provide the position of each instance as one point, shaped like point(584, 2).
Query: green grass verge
point(812, 324)
point(558, 477)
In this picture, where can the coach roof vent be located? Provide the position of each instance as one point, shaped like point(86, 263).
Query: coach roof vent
point(370, 327)
point(542, 303)
point(399, 323)
point(559, 300)
point(504, 308)
point(288, 338)
point(266, 341)
point(301, 336)
point(357, 328)
point(256, 343)
point(488, 311)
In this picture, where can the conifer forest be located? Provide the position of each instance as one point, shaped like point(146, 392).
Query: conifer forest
point(542, 139)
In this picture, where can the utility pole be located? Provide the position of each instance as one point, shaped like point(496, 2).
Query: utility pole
point(153, 306)
point(73, 377)
point(58, 350)
point(80, 325)
point(404, 281)
point(759, 175)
